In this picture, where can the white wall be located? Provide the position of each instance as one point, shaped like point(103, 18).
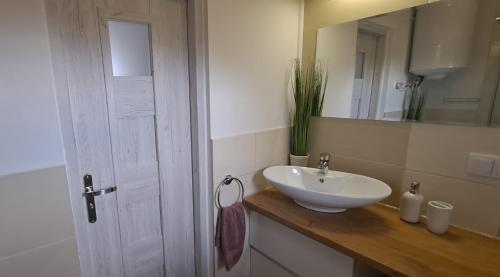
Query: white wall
point(31, 243)
point(251, 47)
point(336, 48)
point(29, 126)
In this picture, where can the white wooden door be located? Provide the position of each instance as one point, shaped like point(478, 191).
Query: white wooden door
point(119, 96)
point(363, 76)
point(131, 109)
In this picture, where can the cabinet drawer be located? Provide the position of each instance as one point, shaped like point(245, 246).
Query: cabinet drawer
point(261, 266)
point(295, 252)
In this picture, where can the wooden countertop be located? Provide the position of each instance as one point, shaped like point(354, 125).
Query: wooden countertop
point(377, 237)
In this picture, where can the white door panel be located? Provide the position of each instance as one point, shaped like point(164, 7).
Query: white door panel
point(80, 62)
point(133, 137)
point(116, 123)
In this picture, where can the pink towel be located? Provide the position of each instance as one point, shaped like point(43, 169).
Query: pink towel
point(230, 233)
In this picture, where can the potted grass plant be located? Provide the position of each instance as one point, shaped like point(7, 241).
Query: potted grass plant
point(308, 89)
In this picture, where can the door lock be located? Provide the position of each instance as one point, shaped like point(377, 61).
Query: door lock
point(89, 194)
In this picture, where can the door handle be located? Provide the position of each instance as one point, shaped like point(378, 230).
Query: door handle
point(89, 194)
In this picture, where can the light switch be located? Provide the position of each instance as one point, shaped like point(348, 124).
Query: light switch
point(480, 164)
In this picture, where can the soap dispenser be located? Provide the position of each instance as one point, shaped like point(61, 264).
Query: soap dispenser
point(411, 204)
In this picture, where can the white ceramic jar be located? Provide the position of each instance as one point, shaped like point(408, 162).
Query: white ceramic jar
point(438, 216)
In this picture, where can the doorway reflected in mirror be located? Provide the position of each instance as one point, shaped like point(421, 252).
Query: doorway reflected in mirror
point(436, 63)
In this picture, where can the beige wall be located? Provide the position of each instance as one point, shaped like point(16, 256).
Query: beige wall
point(436, 155)
point(37, 236)
point(321, 13)
point(252, 45)
point(245, 156)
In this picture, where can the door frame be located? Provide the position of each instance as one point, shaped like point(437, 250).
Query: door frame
point(368, 85)
point(201, 137)
point(378, 94)
point(201, 151)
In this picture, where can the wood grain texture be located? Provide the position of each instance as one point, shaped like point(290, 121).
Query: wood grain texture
point(173, 127)
point(131, 109)
point(143, 112)
point(81, 94)
point(376, 236)
point(141, 7)
point(135, 97)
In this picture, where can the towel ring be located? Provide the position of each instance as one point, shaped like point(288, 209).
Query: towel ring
point(227, 181)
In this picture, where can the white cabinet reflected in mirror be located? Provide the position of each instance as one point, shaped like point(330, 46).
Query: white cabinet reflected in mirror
point(438, 62)
point(130, 48)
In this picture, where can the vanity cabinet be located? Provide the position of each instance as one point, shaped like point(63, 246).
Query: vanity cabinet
point(277, 248)
point(362, 242)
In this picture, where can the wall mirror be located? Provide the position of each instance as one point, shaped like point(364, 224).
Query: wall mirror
point(436, 63)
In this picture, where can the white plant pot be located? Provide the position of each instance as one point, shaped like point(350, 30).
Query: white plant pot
point(299, 160)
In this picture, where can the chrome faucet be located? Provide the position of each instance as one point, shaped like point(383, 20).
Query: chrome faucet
point(324, 161)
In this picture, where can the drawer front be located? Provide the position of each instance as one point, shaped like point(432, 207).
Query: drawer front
point(261, 266)
point(295, 252)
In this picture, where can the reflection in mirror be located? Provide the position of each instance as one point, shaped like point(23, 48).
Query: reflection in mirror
point(438, 62)
point(130, 48)
point(495, 114)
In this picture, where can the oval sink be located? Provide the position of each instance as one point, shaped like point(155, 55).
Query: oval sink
point(330, 193)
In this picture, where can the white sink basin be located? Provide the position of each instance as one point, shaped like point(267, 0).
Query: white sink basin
point(330, 193)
